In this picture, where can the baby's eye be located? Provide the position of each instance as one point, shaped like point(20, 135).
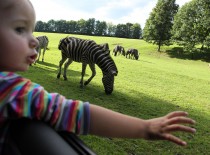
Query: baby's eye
point(20, 30)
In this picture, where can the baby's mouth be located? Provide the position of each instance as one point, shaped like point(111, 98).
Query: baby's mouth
point(32, 59)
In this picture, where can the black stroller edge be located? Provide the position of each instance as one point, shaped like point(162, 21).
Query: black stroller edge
point(32, 137)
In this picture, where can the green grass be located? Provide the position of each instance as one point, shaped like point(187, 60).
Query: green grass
point(150, 87)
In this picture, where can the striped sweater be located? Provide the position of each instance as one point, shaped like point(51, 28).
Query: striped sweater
point(19, 97)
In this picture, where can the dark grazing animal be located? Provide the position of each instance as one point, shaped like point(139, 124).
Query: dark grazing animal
point(119, 49)
point(88, 52)
point(43, 44)
point(132, 53)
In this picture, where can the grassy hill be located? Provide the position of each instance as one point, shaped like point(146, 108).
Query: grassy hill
point(154, 85)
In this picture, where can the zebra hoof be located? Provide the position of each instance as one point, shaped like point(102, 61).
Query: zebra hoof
point(58, 76)
point(65, 78)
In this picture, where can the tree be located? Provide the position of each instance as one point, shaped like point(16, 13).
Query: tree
point(72, 26)
point(203, 23)
point(89, 26)
point(40, 26)
point(192, 25)
point(158, 26)
point(111, 29)
point(128, 30)
point(136, 31)
point(121, 31)
point(100, 28)
point(61, 26)
point(182, 30)
point(51, 26)
point(81, 26)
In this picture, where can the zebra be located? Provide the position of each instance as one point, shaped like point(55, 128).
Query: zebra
point(105, 46)
point(43, 44)
point(132, 53)
point(88, 52)
point(119, 49)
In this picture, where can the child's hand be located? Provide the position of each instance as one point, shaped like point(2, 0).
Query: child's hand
point(162, 128)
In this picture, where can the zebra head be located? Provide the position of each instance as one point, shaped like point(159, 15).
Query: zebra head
point(136, 54)
point(63, 42)
point(60, 44)
point(136, 57)
point(108, 82)
point(108, 74)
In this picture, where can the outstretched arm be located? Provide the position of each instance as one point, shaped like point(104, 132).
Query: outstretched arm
point(107, 123)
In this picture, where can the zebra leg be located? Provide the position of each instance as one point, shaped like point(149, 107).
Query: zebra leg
point(60, 66)
point(39, 53)
point(113, 52)
point(93, 69)
point(43, 54)
point(119, 52)
point(66, 67)
point(84, 65)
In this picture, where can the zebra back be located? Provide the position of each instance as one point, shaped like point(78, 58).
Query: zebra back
point(81, 50)
point(119, 49)
point(43, 42)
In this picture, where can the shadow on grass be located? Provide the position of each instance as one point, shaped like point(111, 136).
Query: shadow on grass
point(43, 66)
point(139, 105)
point(47, 64)
point(178, 52)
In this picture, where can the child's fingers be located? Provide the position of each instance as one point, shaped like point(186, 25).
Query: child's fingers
point(174, 139)
point(178, 120)
point(177, 127)
point(176, 113)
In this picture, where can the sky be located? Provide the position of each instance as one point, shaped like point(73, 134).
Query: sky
point(113, 11)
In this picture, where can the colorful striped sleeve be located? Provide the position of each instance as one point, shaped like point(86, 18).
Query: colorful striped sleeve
point(19, 97)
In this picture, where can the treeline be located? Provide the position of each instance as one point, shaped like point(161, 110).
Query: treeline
point(91, 27)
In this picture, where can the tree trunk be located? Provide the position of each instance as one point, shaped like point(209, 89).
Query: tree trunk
point(159, 44)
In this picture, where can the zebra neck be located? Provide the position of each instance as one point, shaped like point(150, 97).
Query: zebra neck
point(106, 64)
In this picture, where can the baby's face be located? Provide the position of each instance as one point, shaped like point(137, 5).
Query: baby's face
point(17, 44)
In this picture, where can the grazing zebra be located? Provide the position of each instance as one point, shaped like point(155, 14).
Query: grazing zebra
point(132, 53)
point(88, 52)
point(119, 49)
point(43, 43)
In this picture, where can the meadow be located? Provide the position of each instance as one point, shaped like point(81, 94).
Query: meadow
point(152, 86)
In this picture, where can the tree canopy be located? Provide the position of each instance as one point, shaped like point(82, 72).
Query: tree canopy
point(192, 25)
point(158, 26)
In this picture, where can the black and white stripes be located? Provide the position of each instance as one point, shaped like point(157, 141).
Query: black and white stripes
point(43, 44)
point(132, 53)
point(119, 49)
point(88, 52)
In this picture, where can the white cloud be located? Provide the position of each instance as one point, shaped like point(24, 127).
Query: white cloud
point(140, 14)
